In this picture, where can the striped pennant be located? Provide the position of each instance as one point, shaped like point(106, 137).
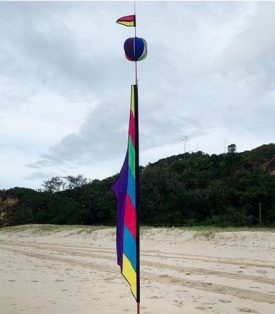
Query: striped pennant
point(129, 20)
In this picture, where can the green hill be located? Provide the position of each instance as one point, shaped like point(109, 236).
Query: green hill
point(186, 189)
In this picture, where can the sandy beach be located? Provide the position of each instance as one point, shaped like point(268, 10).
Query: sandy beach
point(73, 270)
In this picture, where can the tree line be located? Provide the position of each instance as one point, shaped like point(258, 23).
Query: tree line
point(187, 189)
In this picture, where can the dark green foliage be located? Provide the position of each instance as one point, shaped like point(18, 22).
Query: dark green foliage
point(231, 149)
point(186, 189)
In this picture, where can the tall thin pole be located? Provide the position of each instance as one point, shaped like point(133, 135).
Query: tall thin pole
point(137, 174)
point(137, 195)
point(260, 212)
point(136, 80)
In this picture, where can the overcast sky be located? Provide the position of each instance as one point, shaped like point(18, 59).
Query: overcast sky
point(65, 84)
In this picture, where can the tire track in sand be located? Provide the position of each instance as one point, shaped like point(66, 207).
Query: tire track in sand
point(165, 279)
point(170, 255)
point(181, 269)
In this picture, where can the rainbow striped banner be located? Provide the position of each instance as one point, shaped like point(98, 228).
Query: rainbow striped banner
point(125, 189)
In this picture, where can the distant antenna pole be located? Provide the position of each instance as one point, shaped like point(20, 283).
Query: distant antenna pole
point(224, 148)
point(185, 139)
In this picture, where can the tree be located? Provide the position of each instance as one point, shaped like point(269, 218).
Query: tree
point(231, 149)
point(55, 184)
point(76, 182)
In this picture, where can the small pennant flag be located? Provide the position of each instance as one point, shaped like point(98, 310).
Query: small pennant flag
point(129, 20)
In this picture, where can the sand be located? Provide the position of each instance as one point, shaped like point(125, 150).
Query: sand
point(182, 271)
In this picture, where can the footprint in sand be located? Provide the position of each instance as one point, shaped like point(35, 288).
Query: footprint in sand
point(155, 297)
point(202, 308)
point(262, 271)
point(224, 301)
point(163, 276)
point(246, 310)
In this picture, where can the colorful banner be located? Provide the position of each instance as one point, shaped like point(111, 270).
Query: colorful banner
point(125, 191)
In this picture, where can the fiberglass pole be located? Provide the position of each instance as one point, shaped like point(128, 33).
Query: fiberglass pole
point(137, 173)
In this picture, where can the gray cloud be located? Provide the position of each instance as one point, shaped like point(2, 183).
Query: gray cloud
point(104, 134)
point(65, 85)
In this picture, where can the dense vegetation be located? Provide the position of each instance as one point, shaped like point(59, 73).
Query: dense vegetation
point(186, 189)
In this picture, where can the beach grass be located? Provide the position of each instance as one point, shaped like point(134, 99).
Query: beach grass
point(48, 228)
point(202, 231)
